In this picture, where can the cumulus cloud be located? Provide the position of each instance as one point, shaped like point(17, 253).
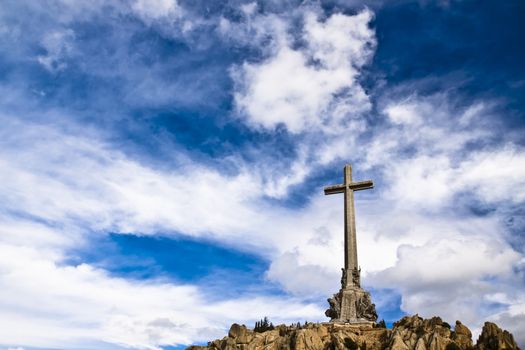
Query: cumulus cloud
point(453, 277)
point(301, 279)
point(312, 87)
point(454, 260)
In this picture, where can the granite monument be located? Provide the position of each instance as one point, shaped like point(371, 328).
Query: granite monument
point(352, 304)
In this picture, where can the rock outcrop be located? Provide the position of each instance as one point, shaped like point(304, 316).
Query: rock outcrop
point(494, 338)
point(409, 333)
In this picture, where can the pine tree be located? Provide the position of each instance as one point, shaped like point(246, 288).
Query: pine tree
point(263, 325)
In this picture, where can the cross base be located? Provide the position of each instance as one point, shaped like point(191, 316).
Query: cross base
point(351, 305)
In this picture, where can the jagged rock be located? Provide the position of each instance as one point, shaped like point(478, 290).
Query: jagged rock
point(494, 338)
point(307, 339)
point(462, 335)
point(418, 333)
point(398, 343)
point(409, 333)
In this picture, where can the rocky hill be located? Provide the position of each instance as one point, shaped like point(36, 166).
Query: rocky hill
point(409, 333)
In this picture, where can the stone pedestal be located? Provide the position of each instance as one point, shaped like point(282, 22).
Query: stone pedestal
point(352, 304)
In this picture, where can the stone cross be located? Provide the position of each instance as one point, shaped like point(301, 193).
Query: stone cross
point(348, 187)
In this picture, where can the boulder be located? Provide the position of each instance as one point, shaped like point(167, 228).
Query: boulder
point(240, 334)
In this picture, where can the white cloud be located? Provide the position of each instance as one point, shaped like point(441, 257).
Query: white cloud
point(450, 261)
point(403, 114)
point(340, 41)
point(155, 9)
point(422, 179)
point(496, 176)
point(423, 154)
point(301, 279)
point(443, 262)
point(101, 190)
point(47, 304)
point(114, 192)
point(426, 158)
point(312, 88)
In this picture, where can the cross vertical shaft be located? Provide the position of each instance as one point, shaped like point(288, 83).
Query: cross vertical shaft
point(351, 268)
point(350, 232)
point(352, 304)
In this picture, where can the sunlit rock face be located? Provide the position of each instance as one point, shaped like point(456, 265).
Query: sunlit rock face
point(493, 337)
point(409, 333)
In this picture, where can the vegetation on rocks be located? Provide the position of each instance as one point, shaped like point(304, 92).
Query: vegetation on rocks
point(263, 325)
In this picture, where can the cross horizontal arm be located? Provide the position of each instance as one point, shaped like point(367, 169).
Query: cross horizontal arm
point(334, 189)
point(361, 185)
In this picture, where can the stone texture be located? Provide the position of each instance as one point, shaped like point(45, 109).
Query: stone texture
point(416, 332)
point(409, 333)
point(348, 187)
point(353, 305)
point(494, 338)
point(240, 333)
point(462, 335)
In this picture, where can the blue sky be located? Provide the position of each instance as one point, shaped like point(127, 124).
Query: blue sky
point(162, 165)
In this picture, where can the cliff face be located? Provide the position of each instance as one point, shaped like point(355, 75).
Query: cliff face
point(409, 333)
